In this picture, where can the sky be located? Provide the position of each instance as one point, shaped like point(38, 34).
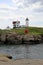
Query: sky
point(13, 10)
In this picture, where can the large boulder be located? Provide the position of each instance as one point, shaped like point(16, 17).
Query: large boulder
point(28, 37)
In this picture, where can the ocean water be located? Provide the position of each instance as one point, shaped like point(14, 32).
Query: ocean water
point(23, 51)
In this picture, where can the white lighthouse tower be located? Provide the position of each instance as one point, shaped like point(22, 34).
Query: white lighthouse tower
point(27, 22)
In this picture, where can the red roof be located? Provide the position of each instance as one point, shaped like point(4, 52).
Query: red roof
point(16, 22)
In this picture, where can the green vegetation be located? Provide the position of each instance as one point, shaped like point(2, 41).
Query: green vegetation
point(35, 30)
point(32, 30)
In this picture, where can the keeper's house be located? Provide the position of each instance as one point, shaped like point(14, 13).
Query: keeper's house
point(16, 24)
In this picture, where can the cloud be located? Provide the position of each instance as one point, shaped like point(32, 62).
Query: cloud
point(6, 11)
point(11, 12)
point(26, 2)
point(20, 9)
point(39, 10)
point(36, 5)
point(5, 6)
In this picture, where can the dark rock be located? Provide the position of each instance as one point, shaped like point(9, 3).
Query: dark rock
point(10, 57)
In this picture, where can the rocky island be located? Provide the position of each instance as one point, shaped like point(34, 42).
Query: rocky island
point(14, 38)
point(17, 36)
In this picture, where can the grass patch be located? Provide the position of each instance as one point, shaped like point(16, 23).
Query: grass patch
point(32, 30)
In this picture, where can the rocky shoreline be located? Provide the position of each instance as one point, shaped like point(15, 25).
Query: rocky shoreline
point(14, 38)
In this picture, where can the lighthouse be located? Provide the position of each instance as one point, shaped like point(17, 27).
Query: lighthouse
point(27, 22)
point(27, 25)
